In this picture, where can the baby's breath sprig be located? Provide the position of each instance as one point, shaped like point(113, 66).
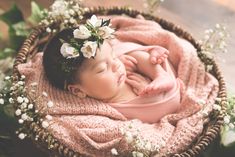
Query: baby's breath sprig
point(214, 42)
point(19, 97)
point(141, 147)
point(229, 118)
point(68, 11)
point(152, 5)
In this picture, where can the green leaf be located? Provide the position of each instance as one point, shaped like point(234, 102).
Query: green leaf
point(6, 53)
point(36, 13)
point(12, 16)
point(15, 37)
point(21, 29)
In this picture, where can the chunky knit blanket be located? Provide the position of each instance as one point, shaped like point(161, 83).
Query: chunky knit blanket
point(94, 128)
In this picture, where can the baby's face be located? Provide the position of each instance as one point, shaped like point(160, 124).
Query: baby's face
point(103, 77)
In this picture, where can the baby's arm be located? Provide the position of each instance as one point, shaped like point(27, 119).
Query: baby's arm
point(161, 80)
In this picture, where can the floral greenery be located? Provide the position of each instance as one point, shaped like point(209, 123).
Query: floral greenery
point(19, 28)
point(151, 5)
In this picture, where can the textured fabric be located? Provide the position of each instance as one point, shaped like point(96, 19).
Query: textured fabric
point(148, 108)
point(93, 128)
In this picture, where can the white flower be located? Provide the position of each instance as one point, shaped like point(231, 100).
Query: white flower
point(7, 77)
point(20, 99)
point(18, 112)
point(94, 21)
point(45, 124)
point(48, 117)
point(89, 49)
point(21, 83)
point(11, 100)
point(21, 121)
point(48, 30)
point(24, 116)
point(82, 32)
point(114, 151)
point(44, 94)
point(201, 102)
point(137, 154)
point(1, 101)
point(216, 107)
point(59, 7)
point(71, 11)
point(22, 76)
point(68, 51)
point(23, 105)
point(50, 104)
point(231, 125)
point(22, 136)
point(105, 32)
point(30, 106)
point(129, 137)
point(26, 100)
point(217, 26)
point(226, 119)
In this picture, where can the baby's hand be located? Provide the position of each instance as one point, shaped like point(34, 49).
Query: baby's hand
point(129, 62)
point(158, 55)
point(137, 82)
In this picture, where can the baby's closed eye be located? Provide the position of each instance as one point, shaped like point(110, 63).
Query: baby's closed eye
point(101, 68)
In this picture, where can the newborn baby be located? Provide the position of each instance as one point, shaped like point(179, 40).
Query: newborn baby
point(103, 76)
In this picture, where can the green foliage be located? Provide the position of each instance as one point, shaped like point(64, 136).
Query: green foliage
point(36, 13)
point(12, 16)
point(6, 52)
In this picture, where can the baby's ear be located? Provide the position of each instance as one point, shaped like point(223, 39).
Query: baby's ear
point(74, 89)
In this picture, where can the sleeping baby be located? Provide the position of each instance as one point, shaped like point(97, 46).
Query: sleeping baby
point(134, 79)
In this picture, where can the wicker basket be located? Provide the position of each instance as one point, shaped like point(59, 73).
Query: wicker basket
point(211, 129)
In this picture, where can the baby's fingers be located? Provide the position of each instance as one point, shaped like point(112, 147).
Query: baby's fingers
point(133, 83)
point(132, 59)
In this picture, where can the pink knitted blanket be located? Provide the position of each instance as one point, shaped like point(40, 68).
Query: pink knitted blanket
point(96, 129)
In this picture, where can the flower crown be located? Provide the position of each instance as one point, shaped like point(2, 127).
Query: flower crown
point(87, 38)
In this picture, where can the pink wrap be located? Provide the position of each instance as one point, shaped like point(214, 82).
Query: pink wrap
point(93, 128)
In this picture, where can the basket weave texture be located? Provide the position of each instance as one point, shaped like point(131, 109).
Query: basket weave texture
point(211, 129)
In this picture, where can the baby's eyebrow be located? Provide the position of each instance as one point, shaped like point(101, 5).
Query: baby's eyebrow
point(95, 65)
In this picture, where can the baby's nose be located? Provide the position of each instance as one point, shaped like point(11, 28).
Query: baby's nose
point(115, 66)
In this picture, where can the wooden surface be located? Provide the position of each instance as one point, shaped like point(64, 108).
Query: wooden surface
point(193, 16)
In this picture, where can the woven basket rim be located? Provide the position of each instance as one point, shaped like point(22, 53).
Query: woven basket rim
point(210, 132)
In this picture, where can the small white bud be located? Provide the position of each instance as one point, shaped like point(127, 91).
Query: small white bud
point(1, 101)
point(227, 119)
point(18, 112)
point(44, 94)
point(48, 117)
point(11, 100)
point(26, 100)
point(22, 136)
point(114, 151)
point(50, 104)
point(231, 125)
point(45, 124)
point(20, 99)
point(24, 116)
point(48, 30)
point(21, 121)
point(7, 78)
